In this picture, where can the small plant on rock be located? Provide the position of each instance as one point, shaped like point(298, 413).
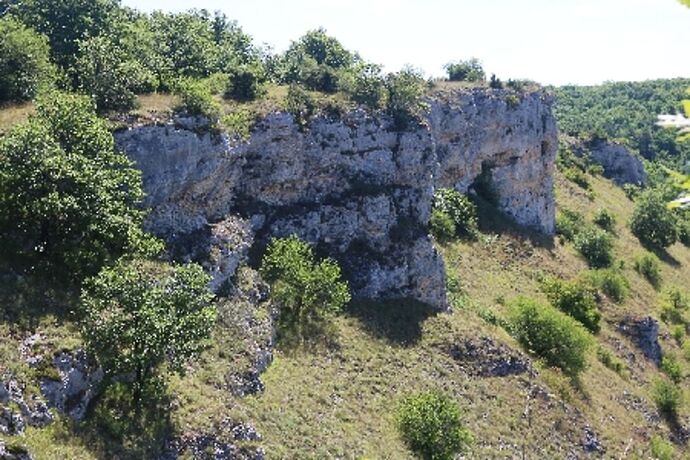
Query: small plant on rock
point(648, 265)
point(460, 209)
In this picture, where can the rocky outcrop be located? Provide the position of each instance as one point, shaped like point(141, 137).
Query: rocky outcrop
point(17, 410)
point(620, 164)
point(644, 332)
point(13, 453)
point(354, 187)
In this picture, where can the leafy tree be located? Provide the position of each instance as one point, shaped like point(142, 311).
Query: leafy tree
point(300, 104)
point(24, 61)
point(652, 222)
point(68, 200)
point(431, 424)
point(107, 75)
point(460, 209)
point(405, 92)
point(364, 84)
point(65, 22)
point(307, 292)
point(245, 82)
point(139, 315)
point(470, 70)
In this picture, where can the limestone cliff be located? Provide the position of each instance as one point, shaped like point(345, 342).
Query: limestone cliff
point(356, 188)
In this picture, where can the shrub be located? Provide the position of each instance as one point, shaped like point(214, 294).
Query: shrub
point(569, 223)
point(684, 232)
point(68, 201)
point(667, 396)
point(612, 282)
point(631, 191)
point(652, 222)
point(596, 246)
point(470, 70)
point(460, 209)
point(239, 123)
point(495, 82)
point(553, 336)
point(578, 177)
point(441, 226)
point(609, 360)
point(405, 91)
point(671, 367)
point(678, 333)
point(24, 61)
point(648, 265)
point(139, 315)
point(431, 425)
point(605, 219)
point(661, 449)
point(300, 104)
point(245, 82)
point(196, 100)
point(575, 299)
point(365, 85)
point(308, 293)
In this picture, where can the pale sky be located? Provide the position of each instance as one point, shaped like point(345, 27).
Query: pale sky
point(550, 41)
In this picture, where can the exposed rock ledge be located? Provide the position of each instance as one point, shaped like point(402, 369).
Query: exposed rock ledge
point(354, 187)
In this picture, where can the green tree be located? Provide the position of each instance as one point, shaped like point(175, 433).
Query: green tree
point(405, 102)
point(139, 315)
point(365, 84)
point(470, 70)
point(68, 200)
point(431, 424)
point(652, 222)
point(308, 293)
point(24, 61)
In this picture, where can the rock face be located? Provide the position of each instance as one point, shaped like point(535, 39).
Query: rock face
point(645, 334)
point(17, 411)
point(620, 164)
point(354, 187)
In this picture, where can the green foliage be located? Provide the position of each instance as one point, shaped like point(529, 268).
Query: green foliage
point(196, 100)
point(364, 84)
point(611, 281)
point(596, 246)
point(632, 191)
point(139, 315)
point(460, 209)
point(470, 70)
point(652, 222)
point(553, 336)
point(300, 104)
point(495, 82)
point(245, 82)
point(609, 360)
point(239, 123)
point(648, 265)
point(308, 293)
point(668, 397)
point(578, 177)
point(673, 310)
point(671, 367)
point(569, 223)
point(576, 299)
point(68, 200)
point(105, 73)
point(662, 449)
point(441, 226)
point(605, 219)
point(431, 425)
point(684, 231)
point(24, 61)
point(404, 99)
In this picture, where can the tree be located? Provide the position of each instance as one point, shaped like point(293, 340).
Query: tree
point(470, 70)
point(405, 91)
point(364, 84)
point(65, 22)
point(652, 222)
point(68, 200)
point(24, 61)
point(139, 315)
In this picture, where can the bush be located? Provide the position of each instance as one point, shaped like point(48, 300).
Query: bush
point(365, 85)
point(609, 360)
point(671, 367)
point(578, 177)
point(245, 82)
point(431, 425)
point(441, 226)
point(139, 315)
point(24, 61)
point(668, 397)
point(661, 449)
point(631, 191)
point(460, 209)
point(575, 299)
point(239, 123)
point(612, 282)
point(308, 293)
point(569, 223)
point(553, 336)
point(495, 82)
point(652, 222)
point(470, 70)
point(69, 203)
point(684, 232)
point(648, 265)
point(405, 91)
point(596, 246)
point(678, 333)
point(196, 100)
point(606, 220)
point(300, 104)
